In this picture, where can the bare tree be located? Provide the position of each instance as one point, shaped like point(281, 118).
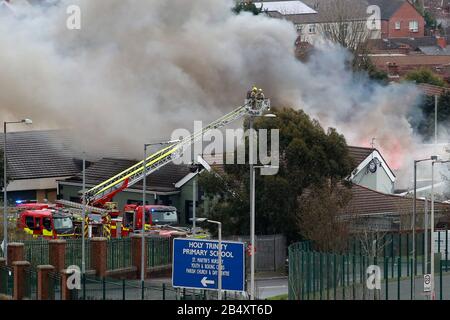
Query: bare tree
point(372, 239)
point(319, 219)
point(345, 23)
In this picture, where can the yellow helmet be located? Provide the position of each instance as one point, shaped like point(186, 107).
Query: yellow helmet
point(254, 88)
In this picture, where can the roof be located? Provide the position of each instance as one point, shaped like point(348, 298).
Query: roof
point(412, 43)
point(422, 60)
point(39, 154)
point(388, 7)
point(357, 10)
point(435, 50)
point(431, 90)
point(286, 7)
point(359, 154)
point(163, 180)
point(367, 201)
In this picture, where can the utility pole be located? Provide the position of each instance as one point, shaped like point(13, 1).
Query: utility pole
point(83, 217)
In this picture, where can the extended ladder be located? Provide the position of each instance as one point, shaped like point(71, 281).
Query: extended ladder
point(166, 155)
point(79, 207)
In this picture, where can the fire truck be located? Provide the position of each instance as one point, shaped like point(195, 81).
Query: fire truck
point(101, 213)
point(46, 223)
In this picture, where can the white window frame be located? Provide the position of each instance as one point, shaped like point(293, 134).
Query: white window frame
point(414, 26)
point(398, 25)
point(311, 28)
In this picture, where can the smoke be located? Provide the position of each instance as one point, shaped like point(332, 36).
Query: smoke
point(139, 69)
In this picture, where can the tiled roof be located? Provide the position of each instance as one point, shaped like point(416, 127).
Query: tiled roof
point(162, 180)
point(358, 154)
point(388, 7)
point(357, 10)
point(395, 43)
point(39, 154)
point(410, 60)
point(367, 201)
point(431, 90)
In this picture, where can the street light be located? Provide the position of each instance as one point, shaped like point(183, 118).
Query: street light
point(252, 227)
point(5, 195)
point(413, 222)
point(144, 189)
point(432, 224)
point(252, 199)
point(219, 254)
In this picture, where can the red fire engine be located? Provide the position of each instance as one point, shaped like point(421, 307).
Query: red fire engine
point(47, 223)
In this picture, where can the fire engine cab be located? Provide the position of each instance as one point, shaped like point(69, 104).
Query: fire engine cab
point(154, 215)
point(46, 223)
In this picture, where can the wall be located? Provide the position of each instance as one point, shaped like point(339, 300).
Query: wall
point(322, 27)
point(378, 181)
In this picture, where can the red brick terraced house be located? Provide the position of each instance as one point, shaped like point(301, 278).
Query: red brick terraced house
point(399, 19)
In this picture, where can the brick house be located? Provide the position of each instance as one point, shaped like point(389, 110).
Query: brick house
point(399, 19)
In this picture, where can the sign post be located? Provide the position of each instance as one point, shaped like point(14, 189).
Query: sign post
point(196, 264)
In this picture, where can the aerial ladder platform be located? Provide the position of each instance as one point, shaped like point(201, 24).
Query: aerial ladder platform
point(106, 190)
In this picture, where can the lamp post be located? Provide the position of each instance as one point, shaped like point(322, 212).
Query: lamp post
point(413, 222)
point(252, 229)
point(5, 194)
point(83, 217)
point(144, 190)
point(219, 254)
point(432, 225)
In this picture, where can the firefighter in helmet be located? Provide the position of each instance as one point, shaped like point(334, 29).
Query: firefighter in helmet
point(252, 96)
point(260, 95)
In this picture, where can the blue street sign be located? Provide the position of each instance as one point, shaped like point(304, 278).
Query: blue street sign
point(195, 264)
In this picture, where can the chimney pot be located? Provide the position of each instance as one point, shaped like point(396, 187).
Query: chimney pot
point(441, 42)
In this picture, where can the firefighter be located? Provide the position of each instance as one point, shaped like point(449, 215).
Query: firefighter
point(253, 94)
point(260, 95)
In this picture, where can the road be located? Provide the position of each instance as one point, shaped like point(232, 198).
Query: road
point(276, 286)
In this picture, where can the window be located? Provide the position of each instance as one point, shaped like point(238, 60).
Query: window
point(397, 25)
point(29, 221)
point(299, 28)
point(414, 26)
point(312, 28)
point(47, 224)
point(63, 223)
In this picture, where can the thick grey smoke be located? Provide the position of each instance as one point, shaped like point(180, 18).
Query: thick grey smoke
point(138, 69)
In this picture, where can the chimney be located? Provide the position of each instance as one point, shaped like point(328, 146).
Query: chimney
point(441, 42)
point(393, 70)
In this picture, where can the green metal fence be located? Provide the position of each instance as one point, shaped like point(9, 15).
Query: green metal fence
point(74, 253)
point(36, 251)
point(158, 251)
point(54, 286)
point(6, 281)
point(30, 284)
point(119, 253)
point(327, 275)
point(94, 288)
